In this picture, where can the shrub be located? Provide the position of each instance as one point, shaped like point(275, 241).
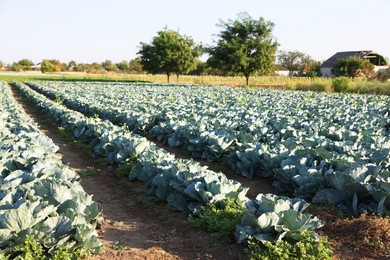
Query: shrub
point(340, 84)
point(220, 219)
point(315, 86)
point(383, 75)
point(307, 248)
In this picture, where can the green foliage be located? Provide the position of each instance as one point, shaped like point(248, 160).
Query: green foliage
point(307, 248)
point(118, 245)
point(135, 66)
point(147, 202)
point(315, 86)
point(371, 87)
point(169, 53)
point(340, 84)
point(81, 67)
point(291, 60)
point(88, 172)
point(123, 66)
point(125, 169)
point(65, 133)
point(245, 46)
point(220, 218)
point(31, 249)
point(383, 75)
point(23, 64)
point(352, 67)
point(299, 62)
point(58, 100)
point(47, 66)
point(108, 65)
point(94, 116)
point(94, 68)
point(71, 65)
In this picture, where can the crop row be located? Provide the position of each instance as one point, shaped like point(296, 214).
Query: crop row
point(40, 198)
point(328, 148)
point(184, 184)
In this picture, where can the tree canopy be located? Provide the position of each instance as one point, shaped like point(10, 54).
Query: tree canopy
point(47, 66)
point(352, 67)
point(244, 46)
point(169, 53)
point(296, 61)
point(108, 65)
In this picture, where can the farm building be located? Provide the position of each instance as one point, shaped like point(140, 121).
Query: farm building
point(280, 70)
point(375, 58)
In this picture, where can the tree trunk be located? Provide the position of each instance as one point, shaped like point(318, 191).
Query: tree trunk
point(177, 78)
point(247, 80)
point(168, 75)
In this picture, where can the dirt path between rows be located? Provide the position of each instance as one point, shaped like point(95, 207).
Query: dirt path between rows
point(133, 226)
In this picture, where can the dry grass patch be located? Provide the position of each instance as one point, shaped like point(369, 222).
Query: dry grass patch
point(369, 235)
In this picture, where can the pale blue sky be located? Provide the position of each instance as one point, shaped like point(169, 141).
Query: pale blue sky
point(96, 30)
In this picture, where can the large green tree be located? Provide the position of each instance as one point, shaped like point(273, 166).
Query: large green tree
point(352, 67)
point(169, 53)
point(244, 46)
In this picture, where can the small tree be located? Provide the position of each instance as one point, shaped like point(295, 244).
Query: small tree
point(123, 66)
point(135, 66)
point(296, 61)
point(80, 67)
point(71, 65)
point(23, 64)
point(352, 67)
point(47, 66)
point(108, 65)
point(26, 64)
point(95, 68)
point(168, 53)
point(292, 60)
point(245, 46)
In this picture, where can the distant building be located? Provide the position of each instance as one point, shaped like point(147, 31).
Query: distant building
point(36, 66)
point(280, 70)
point(375, 58)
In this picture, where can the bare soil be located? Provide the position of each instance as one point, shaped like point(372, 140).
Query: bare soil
point(134, 227)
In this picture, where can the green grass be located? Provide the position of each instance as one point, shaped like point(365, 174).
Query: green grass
point(88, 172)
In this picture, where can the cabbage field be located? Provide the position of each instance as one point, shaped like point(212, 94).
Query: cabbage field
point(322, 148)
point(326, 148)
point(40, 198)
point(184, 184)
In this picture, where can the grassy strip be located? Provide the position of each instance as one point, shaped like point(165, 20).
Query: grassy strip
point(357, 85)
